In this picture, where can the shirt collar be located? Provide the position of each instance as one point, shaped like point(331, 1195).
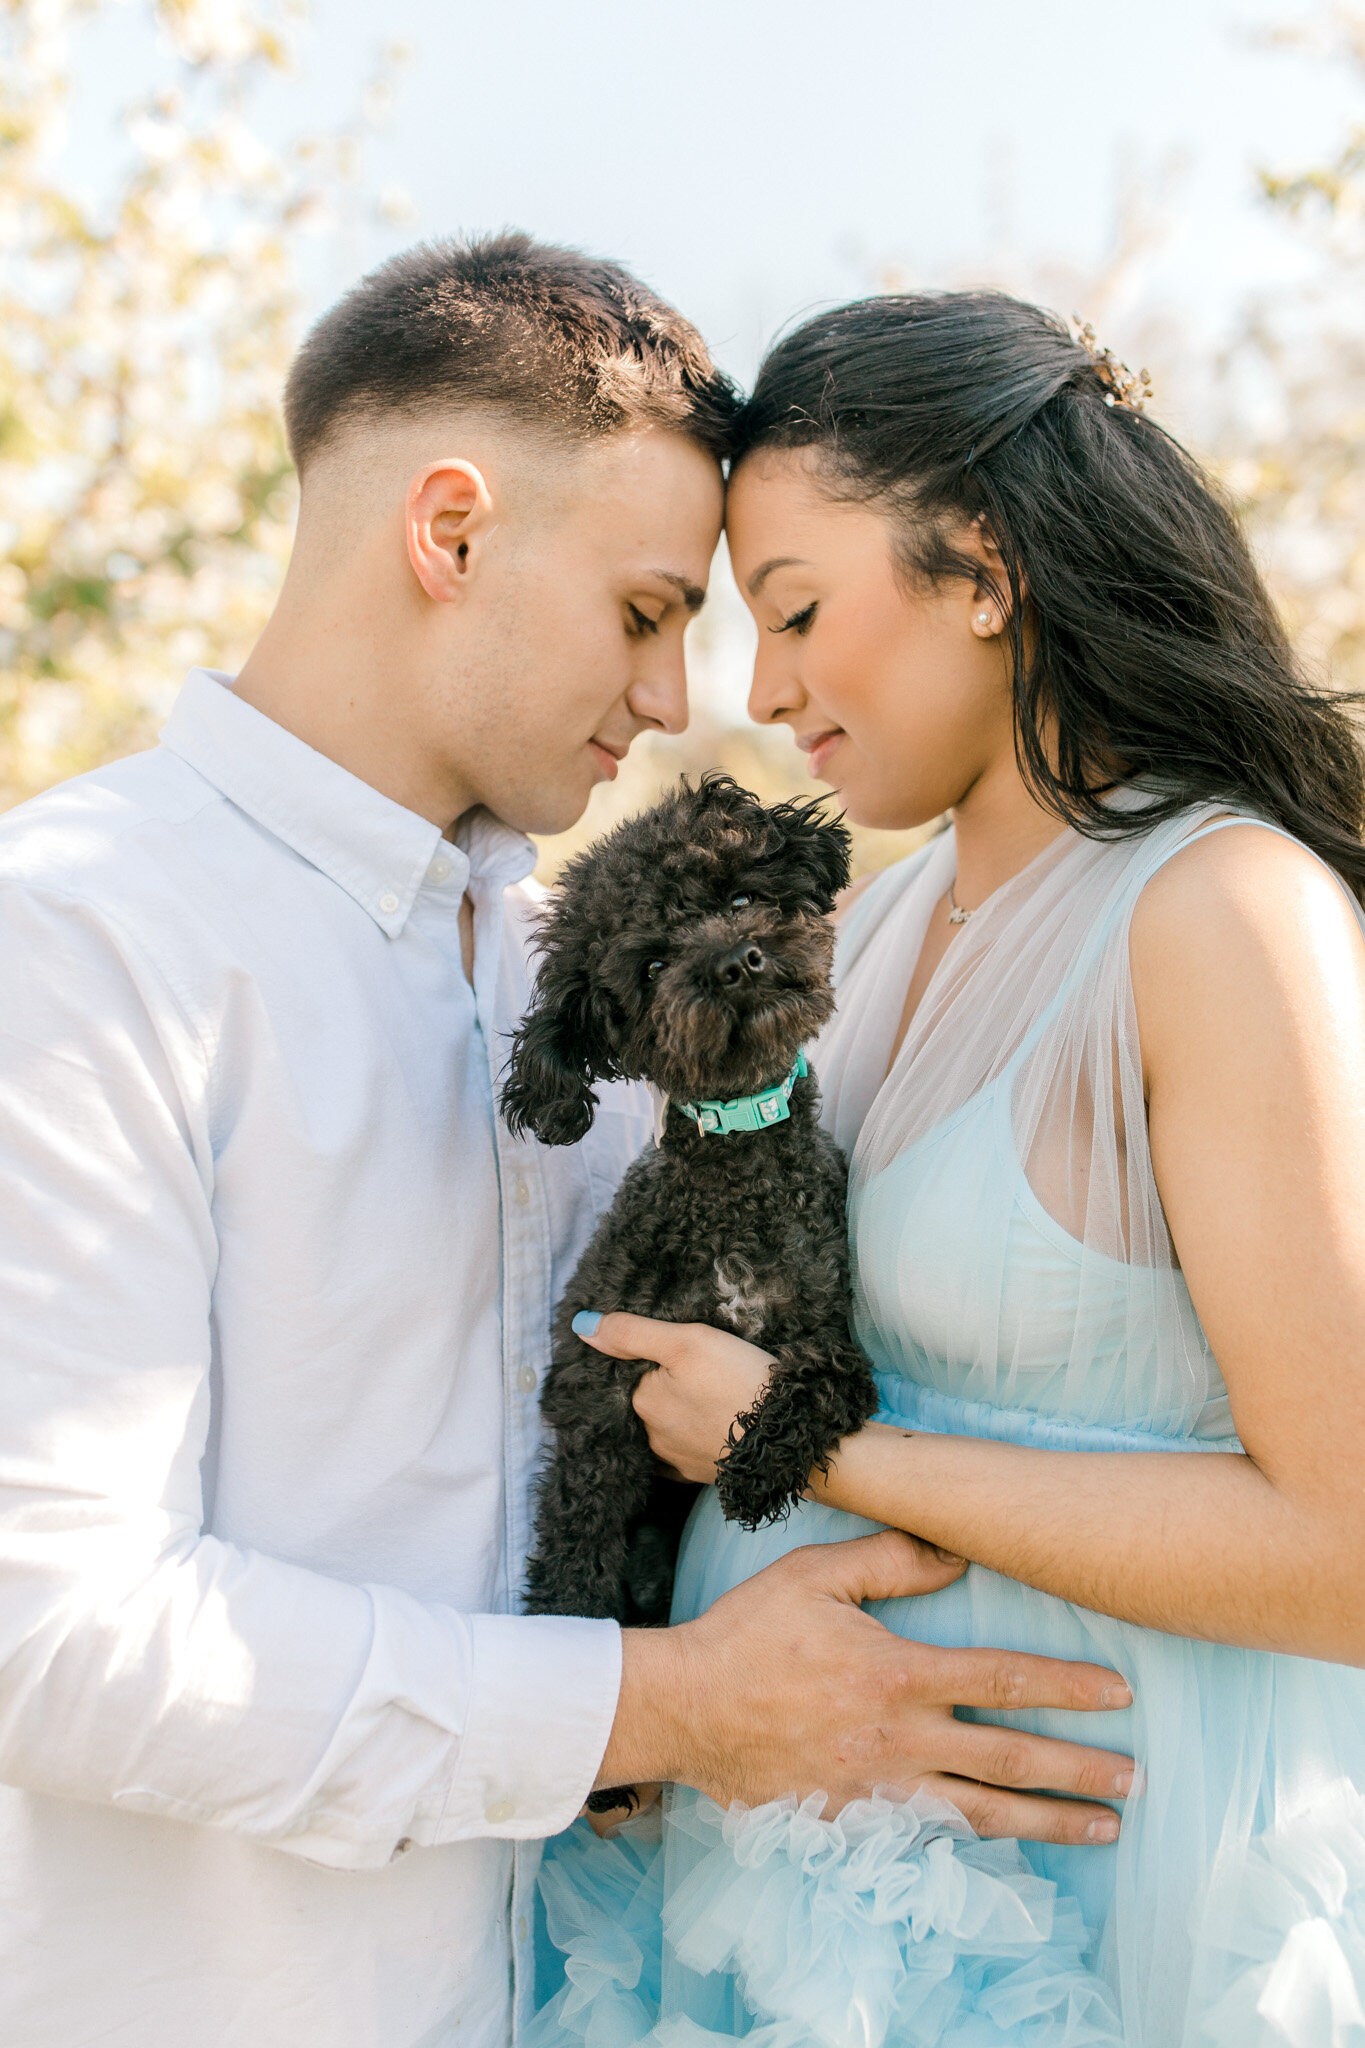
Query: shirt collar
point(373, 848)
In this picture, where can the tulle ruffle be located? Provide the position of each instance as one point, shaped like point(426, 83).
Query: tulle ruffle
point(890, 1927)
point(602, 1900)
point(1286, 1932)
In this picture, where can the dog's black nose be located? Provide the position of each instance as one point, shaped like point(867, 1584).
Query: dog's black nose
point(742, 964)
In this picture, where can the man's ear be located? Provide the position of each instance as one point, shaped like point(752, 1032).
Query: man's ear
point(814, 845)
point(448, 515)
point(547, 1082)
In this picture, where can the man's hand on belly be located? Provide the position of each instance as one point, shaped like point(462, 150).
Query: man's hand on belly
point(786, 1686)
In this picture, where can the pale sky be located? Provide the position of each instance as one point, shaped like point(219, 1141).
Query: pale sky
point(753, 159)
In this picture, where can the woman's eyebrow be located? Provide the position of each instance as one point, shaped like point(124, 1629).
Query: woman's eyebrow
point(765, 570)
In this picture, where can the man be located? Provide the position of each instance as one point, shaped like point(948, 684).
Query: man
point(275, 1284)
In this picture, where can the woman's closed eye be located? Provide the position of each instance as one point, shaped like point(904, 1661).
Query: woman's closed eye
point(640, 622)
point(799, 622)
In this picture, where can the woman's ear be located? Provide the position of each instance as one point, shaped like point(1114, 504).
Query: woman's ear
point(991, 597)
point(547, 1083)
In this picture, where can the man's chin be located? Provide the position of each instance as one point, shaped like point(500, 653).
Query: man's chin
point(546, 810)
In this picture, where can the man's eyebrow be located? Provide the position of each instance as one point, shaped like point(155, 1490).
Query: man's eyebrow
point(765, 570)
point(692, 595)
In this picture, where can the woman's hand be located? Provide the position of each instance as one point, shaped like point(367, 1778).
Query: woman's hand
point(705, 1379)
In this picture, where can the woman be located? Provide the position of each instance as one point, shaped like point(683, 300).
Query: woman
point(1098, 1062)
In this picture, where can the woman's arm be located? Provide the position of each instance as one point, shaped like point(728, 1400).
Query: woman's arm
point(1249, 974)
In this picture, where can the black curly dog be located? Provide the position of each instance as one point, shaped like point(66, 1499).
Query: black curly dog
point(691, 947)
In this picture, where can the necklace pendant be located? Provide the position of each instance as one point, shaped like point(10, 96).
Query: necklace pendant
point(957, 915)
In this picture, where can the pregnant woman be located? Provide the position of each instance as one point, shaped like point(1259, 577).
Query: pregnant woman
point(1099, 1062)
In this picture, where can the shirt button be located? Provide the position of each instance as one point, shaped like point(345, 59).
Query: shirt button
point(388, 903)
point(401, 1848)
point(499, 1811)
point(439, 871)
point(522, 1193)
point(526, 1379)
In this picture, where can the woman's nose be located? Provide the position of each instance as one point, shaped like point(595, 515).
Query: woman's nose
point(775, 691)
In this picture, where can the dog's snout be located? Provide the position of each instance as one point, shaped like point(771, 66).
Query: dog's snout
point(743, 963)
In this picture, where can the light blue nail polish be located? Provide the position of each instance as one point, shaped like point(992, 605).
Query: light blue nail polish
point(585, 1322)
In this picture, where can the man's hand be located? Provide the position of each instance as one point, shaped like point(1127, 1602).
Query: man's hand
point(786, 1685)
point(705, 1379)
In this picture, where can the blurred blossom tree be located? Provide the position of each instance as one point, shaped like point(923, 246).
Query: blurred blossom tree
point(146, 498)
point(1291, 441)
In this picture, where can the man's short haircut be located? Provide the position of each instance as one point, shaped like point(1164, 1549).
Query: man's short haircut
point(556, 340)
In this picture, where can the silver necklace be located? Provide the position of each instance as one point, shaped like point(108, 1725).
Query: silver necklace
point(957, 915)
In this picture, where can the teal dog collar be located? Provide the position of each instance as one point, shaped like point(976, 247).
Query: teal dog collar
point(746, 1112)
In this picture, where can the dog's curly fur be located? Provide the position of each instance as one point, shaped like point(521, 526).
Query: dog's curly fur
point(690, 948)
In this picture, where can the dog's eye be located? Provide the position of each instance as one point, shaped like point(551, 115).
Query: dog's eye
point(740, 902)
point(654, 970)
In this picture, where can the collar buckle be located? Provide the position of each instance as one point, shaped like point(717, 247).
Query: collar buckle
point(747, 1112)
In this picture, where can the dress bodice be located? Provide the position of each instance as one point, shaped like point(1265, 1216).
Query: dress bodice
point(959, 1203)
point(1009, 1247)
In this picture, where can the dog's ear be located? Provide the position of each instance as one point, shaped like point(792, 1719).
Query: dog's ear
point(556, 1056)
point(814, 847)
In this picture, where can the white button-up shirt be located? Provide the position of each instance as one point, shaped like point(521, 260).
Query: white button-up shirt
point(275, 1292)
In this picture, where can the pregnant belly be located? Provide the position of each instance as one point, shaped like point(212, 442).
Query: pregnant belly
point(980, 1610)
point(1244, 1757)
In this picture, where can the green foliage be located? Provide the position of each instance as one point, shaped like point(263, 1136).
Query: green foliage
point(146, 498)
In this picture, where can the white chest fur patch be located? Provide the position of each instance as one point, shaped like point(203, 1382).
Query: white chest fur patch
point(741, 1300)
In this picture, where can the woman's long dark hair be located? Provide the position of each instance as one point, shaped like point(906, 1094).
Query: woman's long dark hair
point(1145, 646)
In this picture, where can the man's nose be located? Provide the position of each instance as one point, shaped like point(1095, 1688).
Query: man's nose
point(743, 963)
point(659, 697)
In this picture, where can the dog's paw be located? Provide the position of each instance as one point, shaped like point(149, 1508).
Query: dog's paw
point(756, 1496)
point(620, 1800)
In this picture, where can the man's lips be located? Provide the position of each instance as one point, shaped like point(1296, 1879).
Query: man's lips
point(818, 746)
point(607, 758)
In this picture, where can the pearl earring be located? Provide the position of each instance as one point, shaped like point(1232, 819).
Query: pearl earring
point(983, 622)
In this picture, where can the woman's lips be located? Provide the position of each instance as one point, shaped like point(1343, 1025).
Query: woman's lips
point(606, 761)
point(818, 747)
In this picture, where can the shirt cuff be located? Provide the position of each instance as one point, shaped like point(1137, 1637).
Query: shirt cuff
point(541, 1709)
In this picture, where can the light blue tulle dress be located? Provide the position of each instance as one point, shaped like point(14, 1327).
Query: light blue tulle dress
point(1014, 1279)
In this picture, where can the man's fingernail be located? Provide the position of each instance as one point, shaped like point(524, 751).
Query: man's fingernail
point(1116, 1695)
point(1123, 1784)
point(585, 1322)
point(1103, 1830)
point(949, 1556)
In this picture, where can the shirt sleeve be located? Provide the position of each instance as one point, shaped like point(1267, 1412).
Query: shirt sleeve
point(144, 1663)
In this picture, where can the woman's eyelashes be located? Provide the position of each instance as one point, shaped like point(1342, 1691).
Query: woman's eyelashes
point(640, 622)
point(799, 622)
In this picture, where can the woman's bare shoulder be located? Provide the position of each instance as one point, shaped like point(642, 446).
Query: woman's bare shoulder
point(1239, 916)
point(1246, 877)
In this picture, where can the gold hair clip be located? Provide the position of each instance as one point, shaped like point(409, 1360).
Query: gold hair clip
point(1128, 388)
